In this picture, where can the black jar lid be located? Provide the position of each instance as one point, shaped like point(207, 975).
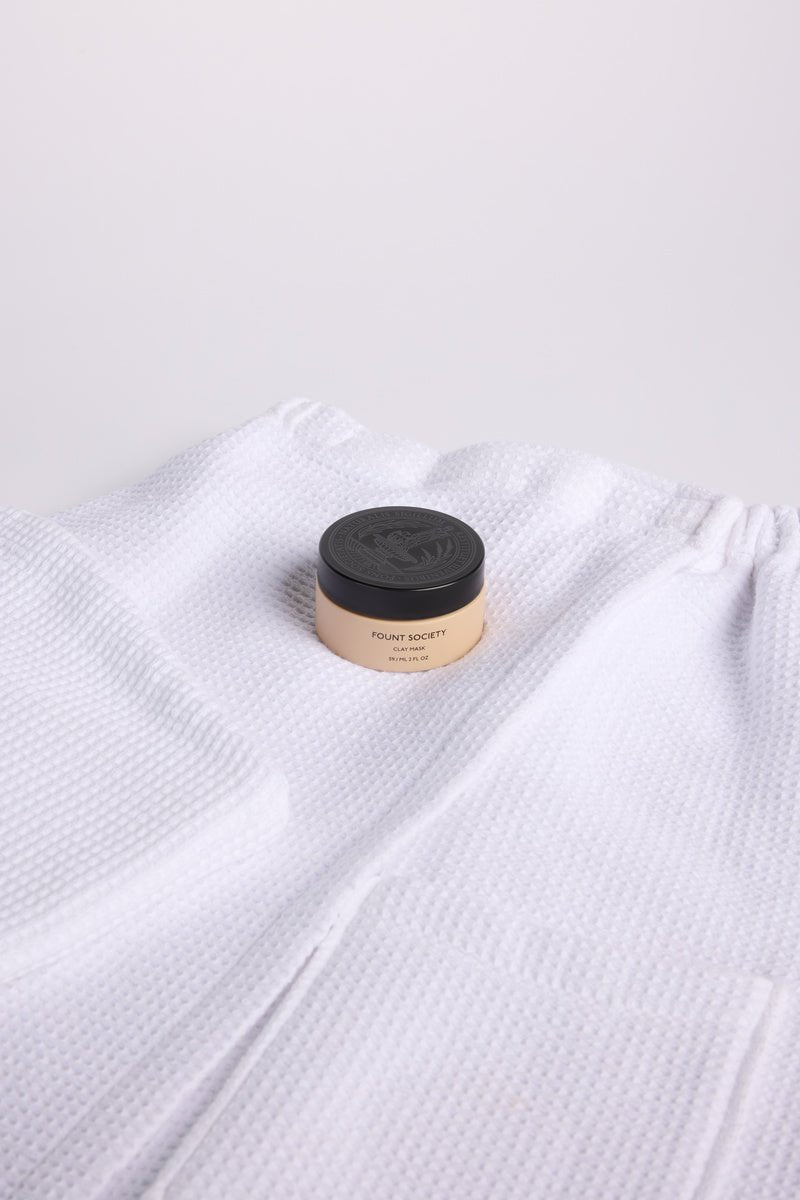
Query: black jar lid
point(400, 564)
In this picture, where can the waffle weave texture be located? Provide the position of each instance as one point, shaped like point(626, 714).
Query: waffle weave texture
point(274, 925)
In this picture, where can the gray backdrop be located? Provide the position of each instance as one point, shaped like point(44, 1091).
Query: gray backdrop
point(570, 222)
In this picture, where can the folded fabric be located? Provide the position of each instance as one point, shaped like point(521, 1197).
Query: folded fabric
point(601, 799)
point(115, 771)
point(473, 1058)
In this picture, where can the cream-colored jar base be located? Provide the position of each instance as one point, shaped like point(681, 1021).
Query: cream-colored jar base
point(399, 645)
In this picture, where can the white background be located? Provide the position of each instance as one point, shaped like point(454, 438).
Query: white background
point(569, 223)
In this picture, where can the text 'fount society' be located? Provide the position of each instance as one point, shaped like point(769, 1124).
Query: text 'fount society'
point(408, 637)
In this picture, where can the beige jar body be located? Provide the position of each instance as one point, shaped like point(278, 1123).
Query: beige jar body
point(399, 645)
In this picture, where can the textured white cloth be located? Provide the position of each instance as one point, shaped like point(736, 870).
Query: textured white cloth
point(274, 925)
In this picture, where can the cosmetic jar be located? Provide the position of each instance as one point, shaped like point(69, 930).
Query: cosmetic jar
point(400, 589)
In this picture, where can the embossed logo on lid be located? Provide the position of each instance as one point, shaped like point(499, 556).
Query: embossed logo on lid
point(403, 547)
point(433, 557)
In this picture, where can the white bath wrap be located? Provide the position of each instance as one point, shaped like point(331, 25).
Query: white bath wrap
point(276, 926)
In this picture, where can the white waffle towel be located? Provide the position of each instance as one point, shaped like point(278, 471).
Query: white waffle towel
point(274, 925)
